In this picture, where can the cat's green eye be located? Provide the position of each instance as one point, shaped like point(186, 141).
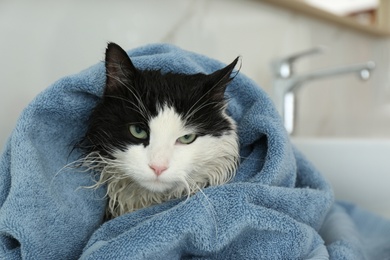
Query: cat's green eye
point(138, 132)
point(187, 139)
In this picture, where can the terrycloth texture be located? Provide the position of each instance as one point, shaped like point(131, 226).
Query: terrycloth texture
point(277, 207)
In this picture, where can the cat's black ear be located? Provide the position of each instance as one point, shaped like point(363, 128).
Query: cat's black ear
point(220, 79)
point(119, 68)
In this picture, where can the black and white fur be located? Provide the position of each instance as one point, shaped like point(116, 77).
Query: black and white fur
point(155, 137)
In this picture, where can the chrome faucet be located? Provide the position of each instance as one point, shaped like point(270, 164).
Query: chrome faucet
point(286, 83)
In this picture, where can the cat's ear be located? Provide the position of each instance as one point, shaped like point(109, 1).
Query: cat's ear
point(220, 79)
point(119, 68)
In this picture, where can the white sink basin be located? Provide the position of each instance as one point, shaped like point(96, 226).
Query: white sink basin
point(358, 169)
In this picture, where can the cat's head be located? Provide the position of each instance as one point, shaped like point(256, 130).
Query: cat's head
point(164, 131)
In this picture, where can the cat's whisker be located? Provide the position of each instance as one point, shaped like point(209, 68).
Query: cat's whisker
point(67, 166)
point(89, 160)
point(202, 97)
point(139, 100)
point(212, 211)
point(192, 111)
point(136, 108)
point(187, 190)
point(134, 93)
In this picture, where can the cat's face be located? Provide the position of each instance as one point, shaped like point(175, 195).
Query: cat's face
point(164, 132)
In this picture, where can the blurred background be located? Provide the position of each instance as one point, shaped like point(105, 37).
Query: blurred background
point(42, 41)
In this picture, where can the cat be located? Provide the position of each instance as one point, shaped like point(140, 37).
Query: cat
point(154, 137)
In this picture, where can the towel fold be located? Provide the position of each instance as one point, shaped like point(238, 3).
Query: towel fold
point(277, 207)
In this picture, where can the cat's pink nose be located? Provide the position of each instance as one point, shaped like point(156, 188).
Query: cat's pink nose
point(158, 169)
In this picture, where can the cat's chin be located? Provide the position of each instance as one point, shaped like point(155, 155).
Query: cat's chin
point(157, 186)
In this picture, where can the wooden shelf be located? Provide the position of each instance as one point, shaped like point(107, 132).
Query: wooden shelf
point(374, 30)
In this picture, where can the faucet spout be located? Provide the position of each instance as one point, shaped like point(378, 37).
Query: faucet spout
point(286, 88)
point(363, 71)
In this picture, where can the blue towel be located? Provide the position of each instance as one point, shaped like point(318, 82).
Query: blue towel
point(277, 207)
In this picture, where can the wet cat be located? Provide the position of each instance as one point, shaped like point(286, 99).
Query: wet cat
point(155, 137)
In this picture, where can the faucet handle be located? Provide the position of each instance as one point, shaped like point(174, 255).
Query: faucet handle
point(283, 68)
